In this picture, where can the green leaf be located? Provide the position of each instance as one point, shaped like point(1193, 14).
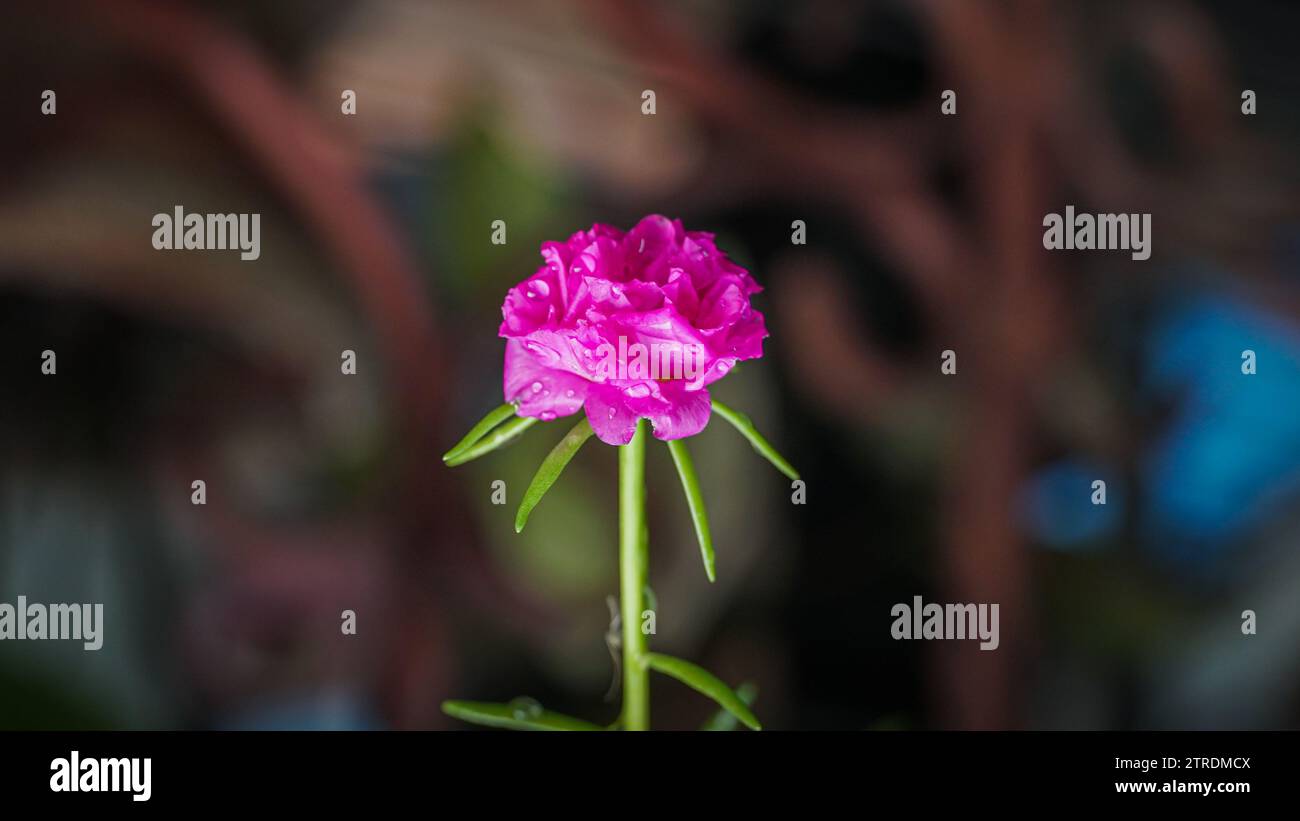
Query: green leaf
point(497, 438)
point(550, 470)
point(743, 424)
point(695, 501)
point(651, 602)
point(723, 721)
point(477, 432)
point(520, 714)
point(695, 676)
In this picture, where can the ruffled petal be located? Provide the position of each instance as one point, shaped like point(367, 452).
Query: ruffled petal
point(612, 420)
point(673, 411)
point(538, 391)
point(658, 345)
point(671, 308)
point(680, 413)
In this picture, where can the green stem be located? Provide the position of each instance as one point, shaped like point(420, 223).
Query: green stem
point(632, 577)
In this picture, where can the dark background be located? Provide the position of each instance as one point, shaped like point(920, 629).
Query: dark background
point(326, 492)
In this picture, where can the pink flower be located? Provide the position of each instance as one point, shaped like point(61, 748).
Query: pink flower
point(629, 325)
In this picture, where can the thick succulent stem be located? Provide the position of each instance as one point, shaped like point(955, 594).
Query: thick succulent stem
point(632, 561)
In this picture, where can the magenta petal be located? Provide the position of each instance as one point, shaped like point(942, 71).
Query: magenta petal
point(612, 420)
point(684, 412)
point(673, 411)
point(661, 306)
point(680, 293)
point(539, 391)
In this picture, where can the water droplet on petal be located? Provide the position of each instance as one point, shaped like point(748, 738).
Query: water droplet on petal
point(611, 413)
point(525, 708)
point(638, 391)
point(547, 416)
point(540, 289)
point(569, 392)
point(537, 387)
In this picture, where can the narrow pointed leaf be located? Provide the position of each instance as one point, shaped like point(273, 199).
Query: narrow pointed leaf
point(514, 716)
point(480, 430)
point(550, 470)
point(695, 501)
point(696, 677)
point(723, 721)
point(650, 601)
point(497, 438)
point(746, 427)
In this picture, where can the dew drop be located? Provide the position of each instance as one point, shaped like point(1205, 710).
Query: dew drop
point(539, 289)
point(537, 387)
point(611, 413)
point(547, 416)
point(524, 708)
point(569, 392)
point(638, 391)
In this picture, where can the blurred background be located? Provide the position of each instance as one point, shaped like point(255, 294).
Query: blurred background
point(326, 492)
